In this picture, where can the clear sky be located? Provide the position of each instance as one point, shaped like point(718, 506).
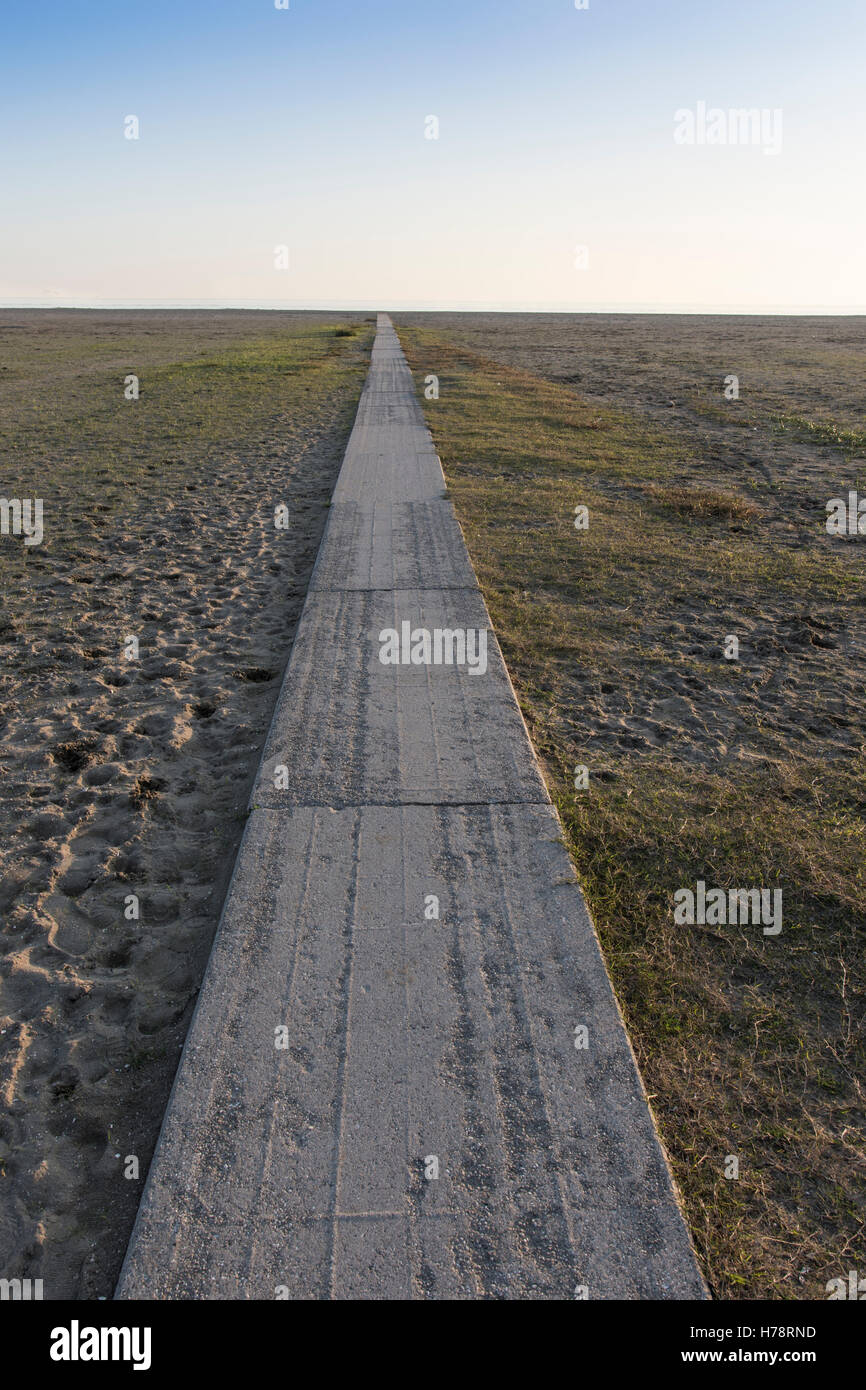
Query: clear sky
point(306, 128)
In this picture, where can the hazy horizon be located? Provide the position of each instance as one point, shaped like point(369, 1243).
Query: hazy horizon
point(586, 310)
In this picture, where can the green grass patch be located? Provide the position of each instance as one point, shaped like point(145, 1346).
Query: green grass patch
point(825, 432)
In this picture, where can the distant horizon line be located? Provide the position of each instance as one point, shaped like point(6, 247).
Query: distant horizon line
point(482, 307)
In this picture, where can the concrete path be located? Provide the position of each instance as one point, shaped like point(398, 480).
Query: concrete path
point(348, 1045)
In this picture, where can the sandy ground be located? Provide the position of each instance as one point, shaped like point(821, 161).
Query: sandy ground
point(130, 778)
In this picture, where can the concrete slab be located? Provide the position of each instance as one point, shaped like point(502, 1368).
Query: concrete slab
point(393, 545)
point(348, 729)
point(408, 1038)
point(381, 474)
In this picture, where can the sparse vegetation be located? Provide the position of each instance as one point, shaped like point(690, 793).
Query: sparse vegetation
point(825, 432)
point(704, 502)
point(739, 773)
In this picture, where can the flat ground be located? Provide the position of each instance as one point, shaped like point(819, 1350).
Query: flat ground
point(707, 519)
point(131, 777)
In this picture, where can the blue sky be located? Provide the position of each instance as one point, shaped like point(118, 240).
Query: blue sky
point(306, 128)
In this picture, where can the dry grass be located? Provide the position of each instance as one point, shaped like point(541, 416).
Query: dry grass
point(746, 773)
point(704, 503)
